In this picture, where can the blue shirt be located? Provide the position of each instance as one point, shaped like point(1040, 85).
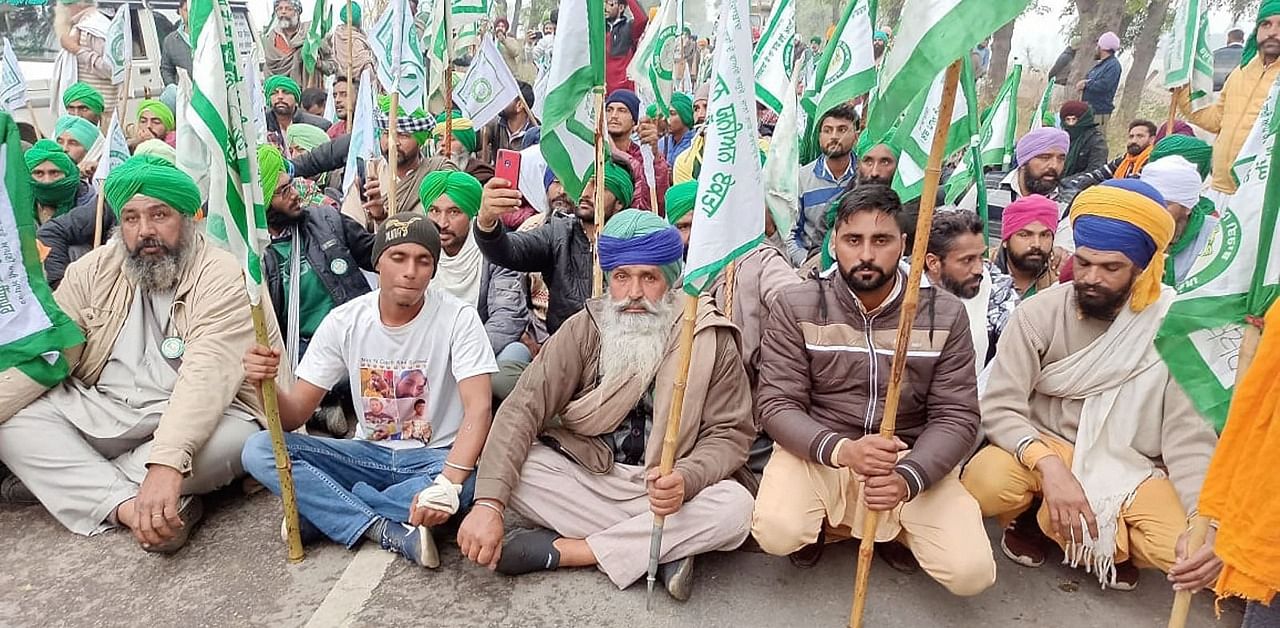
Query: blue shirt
point(818, 187)
point(671, 149)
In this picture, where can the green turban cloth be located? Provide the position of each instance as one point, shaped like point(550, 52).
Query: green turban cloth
point(355, 14)
point(157, 148)
point(270, 166)
point(1268, 9)
point(464, 130)
point(159, 110)
point(1193, 149)
point(305, 136)
point(616, 180)
point(680, 200)
point(89, 96)
point(82, 130)
point(463, 188)
point(683, 106)
point(634, 237)
point(60, 194)
point(154, 177)
point(653, 113)
point(867, 141)
point(282, 82)
point(421, 137)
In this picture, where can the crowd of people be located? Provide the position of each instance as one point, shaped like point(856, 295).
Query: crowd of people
point(444, 361)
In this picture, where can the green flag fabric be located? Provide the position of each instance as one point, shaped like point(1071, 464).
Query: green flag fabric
point(773, 55)
point(653, 66)
point(1187, 59)
point(577, 71)
point(995, 140)
point(398, 54)
point(1043, 115)
point(914, 135)
point(847, 67)
point(321, 26)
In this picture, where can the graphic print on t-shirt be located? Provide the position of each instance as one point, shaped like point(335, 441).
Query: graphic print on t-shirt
point(395, 399)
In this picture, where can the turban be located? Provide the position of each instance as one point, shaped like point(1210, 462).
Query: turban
point(635, 237)
point(616, 180)
point(271, 165)
point(154, 177)
point(1179, 128)
point(703, 93)
point(867, 141)
point(1040, 141)
point(1194, 149)
point(279, 81)
point(1268, 9)
point(305, 136)
point(1026, 210)
point(157, 148)
point(60, 194)
point(683, 106)
point(355, 14)
point(86, 95)
point(464, 130)
point(463, 188)
point(680, 200)
point(82, 130)
point(1126, 216)
point(654, 113)
point(414, 120)
point(880, 36)
point(1073, 108)
point(630, 100)
point(159, 110)
point(1175, 178)
point(1109, 41)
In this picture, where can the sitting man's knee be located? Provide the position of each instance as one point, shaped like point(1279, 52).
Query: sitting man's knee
point(257, 453)
point(970, 574)
point(779, 532)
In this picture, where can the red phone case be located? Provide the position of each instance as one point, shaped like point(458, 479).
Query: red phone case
point(507, 166)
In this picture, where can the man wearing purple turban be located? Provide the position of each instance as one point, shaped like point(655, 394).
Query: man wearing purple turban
point(1041, 156)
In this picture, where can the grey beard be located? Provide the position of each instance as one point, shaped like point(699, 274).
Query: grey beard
point(161, 274)
point(634, 344)
point(287, 24)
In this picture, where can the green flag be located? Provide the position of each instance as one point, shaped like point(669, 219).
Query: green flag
point(653, 66)
point(577, 70)
point(1187, 59)
point(773, 55)
point(1043, 115)
point(321, 25)
point(995, 140)
point(398, 52)
point(914, 135)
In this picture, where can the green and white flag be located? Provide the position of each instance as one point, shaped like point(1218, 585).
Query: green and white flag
point(13, 86)
point(914, 135)
point(1236, 277)
point(321, 26)
point(115, 152)
point(1187, 58)
point(847, 67)
point(488, 87)
point(396, 48)
point(1043, 115)
point(577, 70)
point(467, 16)
point(932, 34)
point(440, 50)
point(119, 45)
point(773, 56)
point(728, 218)
point(995, 140)
point(218, 115)
point(653, 66)
point(782, 165)
point(364, 136)
point(33, 330)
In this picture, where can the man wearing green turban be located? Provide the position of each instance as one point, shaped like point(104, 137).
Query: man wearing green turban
point(618, 184)
point(1193, 149)
point(452, 201)
point(83, 101)
point(55, 181)
point(679, 127)
point(155, 121)
point(163, 310)
point(679, 203)
point(462, 150)
point(412, 132)
point(303, 138)
point(76, 136)
point(283, 96)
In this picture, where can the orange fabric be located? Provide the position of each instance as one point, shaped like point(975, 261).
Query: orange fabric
point(1132, 165)
point(1240, 489)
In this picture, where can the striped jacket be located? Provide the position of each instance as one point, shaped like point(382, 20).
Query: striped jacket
point(818, 187)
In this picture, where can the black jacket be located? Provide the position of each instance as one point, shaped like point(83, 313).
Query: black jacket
point(558, 249)
point(332, 242)
point(174, 54)
point(71, 235)
point(1092, 153)
point(326, 157)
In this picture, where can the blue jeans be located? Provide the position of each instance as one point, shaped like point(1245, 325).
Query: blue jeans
point(344, 485)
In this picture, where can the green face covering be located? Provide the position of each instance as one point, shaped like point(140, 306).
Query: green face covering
point(60, 194)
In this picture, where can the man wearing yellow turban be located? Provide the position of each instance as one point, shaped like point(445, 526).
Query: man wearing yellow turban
point(1082, 412)
point(142, 428)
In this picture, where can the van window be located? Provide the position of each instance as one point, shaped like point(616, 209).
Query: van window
point(28, 28)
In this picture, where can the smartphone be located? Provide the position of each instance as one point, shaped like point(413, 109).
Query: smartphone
point(508, 166)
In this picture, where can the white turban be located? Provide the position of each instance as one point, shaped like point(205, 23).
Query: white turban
point(1175, 178)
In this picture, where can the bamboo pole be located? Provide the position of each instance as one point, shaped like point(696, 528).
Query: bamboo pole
point(393, 144)
point(1182, 599)
point(448, 84)
point(910, 303)
point(1173, 113)
point(730, 278)
point(668, 458)
point(272, 407)
point(597, 285)
point(97, 218)
point(351, 66)
point(35, 122)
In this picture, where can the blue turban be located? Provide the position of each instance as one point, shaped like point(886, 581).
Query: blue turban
point(1105, 233)
point(641, 238)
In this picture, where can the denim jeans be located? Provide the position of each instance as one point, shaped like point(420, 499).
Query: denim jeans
point(1260, 616)
point(344, 485)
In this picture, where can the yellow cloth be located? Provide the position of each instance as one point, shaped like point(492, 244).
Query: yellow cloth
point(1232, 116)
point(1240, 489)
point(1141, 212)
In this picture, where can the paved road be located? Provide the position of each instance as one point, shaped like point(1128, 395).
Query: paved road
point(234, 573)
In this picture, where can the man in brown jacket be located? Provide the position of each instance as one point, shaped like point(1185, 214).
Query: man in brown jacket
point(826, 355)
point(576, 445)
point(156, 410)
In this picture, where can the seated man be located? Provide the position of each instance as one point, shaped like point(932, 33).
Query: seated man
point(155, 122)
point(1026, 251)
point(83, 101)
point(419, 344)
point(463, 144)
point(830, 465)
point(575, 447)
point(1178, 181)
point(77, 137)
point(55, 183)
point(1082, 413)
point(155, 411)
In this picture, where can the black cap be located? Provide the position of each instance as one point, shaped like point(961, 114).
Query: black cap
point(405, 227)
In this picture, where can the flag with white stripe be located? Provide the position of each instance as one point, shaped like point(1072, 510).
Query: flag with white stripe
point(1187, 58)
point(774, 54)
point(397, 49)
point(13, 86)
point(119, 45)
point(569, 115)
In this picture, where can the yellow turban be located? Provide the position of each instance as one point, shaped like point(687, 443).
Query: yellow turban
point(1129, 217)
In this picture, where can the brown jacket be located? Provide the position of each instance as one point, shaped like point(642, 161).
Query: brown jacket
point(825, 366)
point(557, 401)
point(762, 273)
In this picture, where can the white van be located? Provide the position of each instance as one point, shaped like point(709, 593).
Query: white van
point(29, 27)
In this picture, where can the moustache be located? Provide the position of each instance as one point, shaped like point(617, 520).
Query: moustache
point(866, 266)
point(648, 306)
point(1049, 175)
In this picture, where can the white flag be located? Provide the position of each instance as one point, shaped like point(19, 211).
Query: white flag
point(330, 107)
point(773, 56)
point(488, 87)
point(119, 45)
point(1187, 59)
point(364, 142)
point(398, 52)
point(577, 68)
point(117, 150)
point(257, 100)
point(728, 218)
point(13, 86)
point(653, 66)
point(782, 167)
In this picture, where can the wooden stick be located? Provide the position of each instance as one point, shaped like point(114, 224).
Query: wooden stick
point(910, 303)
point(97, 217)
point(448, 84)
point(1248, 349)
point(597, 285)
point(730, 278)
point(351, 66)
point(653, 195)
point(1182, 599)
point(271, 405)
point(35, 122)
point(1173, 114)
point(393, 137)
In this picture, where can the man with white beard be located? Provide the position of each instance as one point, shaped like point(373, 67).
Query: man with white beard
point(575, 447)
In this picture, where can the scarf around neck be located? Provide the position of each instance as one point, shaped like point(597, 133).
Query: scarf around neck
point(459, 275)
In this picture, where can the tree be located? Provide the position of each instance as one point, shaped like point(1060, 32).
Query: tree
point(1143, 46)
point(1001, 46)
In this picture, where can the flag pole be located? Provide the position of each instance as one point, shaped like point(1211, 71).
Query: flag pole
point(448, 82)
point(283, 468)
point(597, 285)
point(672, 433)
point(730, 278)
point(351, 66)
point(910, 303)
point(35, 122)
point(97, 217)
point(1173, 113)
point(393, 143)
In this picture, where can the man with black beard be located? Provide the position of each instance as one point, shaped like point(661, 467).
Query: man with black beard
point(155, 410)
point(824, 179)
point(830, 467)
point(955, 262)
point(1142, 140)
point(1082, 412)
point(1041, 156)
point(1026, 251)
point(283, 96)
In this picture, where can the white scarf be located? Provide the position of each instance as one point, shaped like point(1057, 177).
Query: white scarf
point(1121, 379)
point(459, 275)
point(976, 308)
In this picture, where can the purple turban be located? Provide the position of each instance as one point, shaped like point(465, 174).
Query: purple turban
point(1109, 41)
point(1040, 141)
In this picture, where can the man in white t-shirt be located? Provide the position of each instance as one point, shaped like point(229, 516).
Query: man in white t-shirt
point(421, 361)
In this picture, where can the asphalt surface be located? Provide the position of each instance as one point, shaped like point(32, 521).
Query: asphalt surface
point(234, 573)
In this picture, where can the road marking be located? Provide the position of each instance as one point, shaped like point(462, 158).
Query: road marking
point(353, 589)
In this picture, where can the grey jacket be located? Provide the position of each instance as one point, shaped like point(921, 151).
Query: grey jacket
point(558, 249)
point(174, 53)
point(70, 235)
point(503, 306)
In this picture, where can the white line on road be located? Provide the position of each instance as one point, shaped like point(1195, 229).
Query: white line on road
point(354, 588)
